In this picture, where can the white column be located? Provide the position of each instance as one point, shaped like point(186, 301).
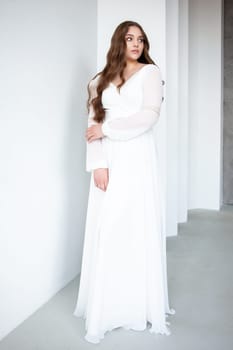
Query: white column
point(172, 86)
point(183, 115)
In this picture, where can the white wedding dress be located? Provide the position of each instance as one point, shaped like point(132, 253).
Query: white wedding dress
point(123, 279)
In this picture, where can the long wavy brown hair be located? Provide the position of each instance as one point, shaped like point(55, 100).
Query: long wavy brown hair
point(116, 63)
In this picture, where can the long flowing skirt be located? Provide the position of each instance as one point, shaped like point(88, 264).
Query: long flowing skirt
point(123, 280)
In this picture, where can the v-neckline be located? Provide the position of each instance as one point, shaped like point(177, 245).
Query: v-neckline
point(131, 76)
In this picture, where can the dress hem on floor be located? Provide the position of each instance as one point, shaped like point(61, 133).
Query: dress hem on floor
point(163, 330)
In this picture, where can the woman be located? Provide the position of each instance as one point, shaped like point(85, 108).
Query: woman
point(123, 278)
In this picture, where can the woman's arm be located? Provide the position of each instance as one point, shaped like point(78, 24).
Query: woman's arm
point(138, 123)
point(95, 157)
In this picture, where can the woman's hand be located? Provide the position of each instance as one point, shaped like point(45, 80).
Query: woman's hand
point(94, 132)
point(101, 178)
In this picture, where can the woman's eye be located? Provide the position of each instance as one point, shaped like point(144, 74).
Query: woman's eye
point(141, 40)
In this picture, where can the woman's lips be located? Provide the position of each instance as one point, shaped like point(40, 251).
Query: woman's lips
point(135, 51)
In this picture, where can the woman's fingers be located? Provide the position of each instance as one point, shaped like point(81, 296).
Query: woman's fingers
point(90, 137)
point(89, 134)
point(106, 183)
point(101, 178)
point(102, 185)
point(94, 132)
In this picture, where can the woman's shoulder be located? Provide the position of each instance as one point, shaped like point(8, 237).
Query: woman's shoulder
point(151, 67)
point(152, 71)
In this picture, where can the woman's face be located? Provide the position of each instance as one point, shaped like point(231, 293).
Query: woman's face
point(134, 43)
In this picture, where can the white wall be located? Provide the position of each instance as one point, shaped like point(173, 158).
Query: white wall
point(46, 62)
point(205, 86)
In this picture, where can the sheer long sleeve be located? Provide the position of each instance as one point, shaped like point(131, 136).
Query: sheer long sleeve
point(95, 156)
point(141, 121)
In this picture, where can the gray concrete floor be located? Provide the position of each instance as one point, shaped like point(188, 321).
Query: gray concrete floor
point(200, 287)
